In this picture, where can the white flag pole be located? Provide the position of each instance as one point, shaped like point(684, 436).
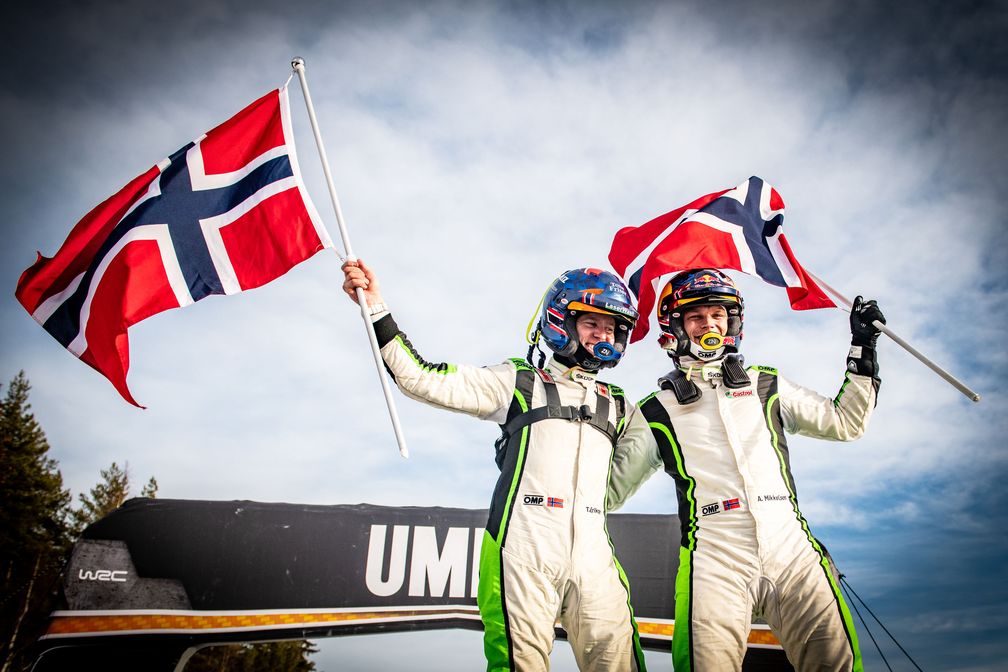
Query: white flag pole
point(299, 68)
point(952, 380)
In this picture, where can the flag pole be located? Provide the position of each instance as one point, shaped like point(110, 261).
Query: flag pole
point(299, 68)
point(952, 380)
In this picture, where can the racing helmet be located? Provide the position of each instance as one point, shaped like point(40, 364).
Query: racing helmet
point(699, 287)
point(590, 290)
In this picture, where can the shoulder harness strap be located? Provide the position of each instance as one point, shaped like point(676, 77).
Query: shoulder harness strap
point(520, 402)
point(553, 410)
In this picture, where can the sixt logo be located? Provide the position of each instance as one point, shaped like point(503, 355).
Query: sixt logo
point(534, 500)
point(117, 575)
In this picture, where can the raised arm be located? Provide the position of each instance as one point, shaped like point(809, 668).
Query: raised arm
point(484, 392)
point(844, 417)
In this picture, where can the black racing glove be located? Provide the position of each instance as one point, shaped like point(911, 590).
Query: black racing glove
point(864, 336)
point(862, 315)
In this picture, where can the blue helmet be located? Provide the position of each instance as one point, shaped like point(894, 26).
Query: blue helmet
point(699, 287)
point(586, 290)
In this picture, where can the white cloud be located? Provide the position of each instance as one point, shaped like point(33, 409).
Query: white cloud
point(474, 163)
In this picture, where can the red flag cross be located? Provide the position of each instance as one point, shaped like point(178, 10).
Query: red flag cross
point(740, 229)
point(226, 213)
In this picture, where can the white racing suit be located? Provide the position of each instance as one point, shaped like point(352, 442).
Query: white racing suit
point(746, 550)
point(546, 554)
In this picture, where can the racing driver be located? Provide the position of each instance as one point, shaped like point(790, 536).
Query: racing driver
point(717, 428)
point(545, 553)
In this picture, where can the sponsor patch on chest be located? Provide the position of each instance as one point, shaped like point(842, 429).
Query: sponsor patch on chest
point(543, 500)
point(718, 507)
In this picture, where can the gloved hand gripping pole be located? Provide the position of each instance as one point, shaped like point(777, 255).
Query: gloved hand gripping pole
point(952, 380)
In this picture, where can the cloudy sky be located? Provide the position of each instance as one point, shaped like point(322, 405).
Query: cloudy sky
point(481, 148)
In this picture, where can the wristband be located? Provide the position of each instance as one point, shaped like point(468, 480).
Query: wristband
point(376, 309)
point(862, 361)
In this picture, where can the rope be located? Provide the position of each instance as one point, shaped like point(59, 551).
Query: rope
point(843, 581)
point(867, 629)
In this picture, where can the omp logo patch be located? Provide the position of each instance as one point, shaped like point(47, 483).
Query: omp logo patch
point(534, 500)
point(710, 509)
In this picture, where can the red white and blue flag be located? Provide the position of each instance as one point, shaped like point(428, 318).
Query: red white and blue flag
point(730, 504)
point(226, 213)
point(555, 502)
point(740, 229)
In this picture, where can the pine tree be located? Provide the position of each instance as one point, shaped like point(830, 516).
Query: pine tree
point(34, 531)
point(150, 490)
point(107, 495)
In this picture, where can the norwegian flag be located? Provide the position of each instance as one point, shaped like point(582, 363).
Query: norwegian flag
point(740, 228)
point(226, 213)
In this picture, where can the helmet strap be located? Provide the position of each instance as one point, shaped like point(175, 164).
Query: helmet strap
point(533, 346)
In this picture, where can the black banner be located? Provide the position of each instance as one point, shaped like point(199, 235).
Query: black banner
point(168, 575)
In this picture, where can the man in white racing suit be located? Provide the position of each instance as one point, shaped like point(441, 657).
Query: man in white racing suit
point(718, 429)
point(546, 554)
